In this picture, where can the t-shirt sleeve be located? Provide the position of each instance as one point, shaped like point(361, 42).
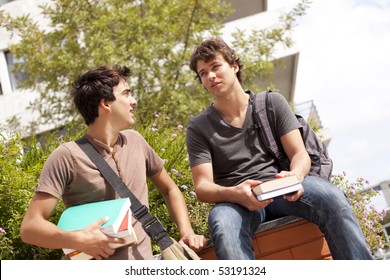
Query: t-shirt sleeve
point(282, 114)
point(197, 147)
point(153, 161)
point(56, 172)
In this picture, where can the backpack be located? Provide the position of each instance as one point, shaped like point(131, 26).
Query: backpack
point(321, 164)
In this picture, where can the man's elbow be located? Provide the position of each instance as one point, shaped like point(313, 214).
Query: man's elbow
point(25, 236)
point(202, 195)
point(23, 233)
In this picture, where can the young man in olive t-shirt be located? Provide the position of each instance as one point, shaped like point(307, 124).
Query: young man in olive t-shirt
point(103, 98)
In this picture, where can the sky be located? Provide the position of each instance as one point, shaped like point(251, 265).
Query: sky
point(344, 67)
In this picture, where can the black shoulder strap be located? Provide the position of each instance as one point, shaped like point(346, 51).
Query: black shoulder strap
point(263, 124)
point(151, 224)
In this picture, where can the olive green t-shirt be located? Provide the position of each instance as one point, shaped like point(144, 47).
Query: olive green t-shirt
point(70, 175)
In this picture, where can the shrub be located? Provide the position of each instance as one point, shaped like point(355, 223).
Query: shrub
point(369, 217)
point(168, 140)
point(21, 162)
point(19, 169)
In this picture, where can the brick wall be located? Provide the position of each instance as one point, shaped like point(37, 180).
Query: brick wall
point(287, 238)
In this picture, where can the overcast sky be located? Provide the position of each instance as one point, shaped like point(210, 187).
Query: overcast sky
point(344, 66)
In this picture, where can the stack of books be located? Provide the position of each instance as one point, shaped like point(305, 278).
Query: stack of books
point(277, 187)
point(119, 223)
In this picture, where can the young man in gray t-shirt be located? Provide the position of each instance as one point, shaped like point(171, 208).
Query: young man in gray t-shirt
point(228, 159)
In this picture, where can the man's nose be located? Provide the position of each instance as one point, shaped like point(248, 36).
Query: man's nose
point(211, 76)
point(133, 102)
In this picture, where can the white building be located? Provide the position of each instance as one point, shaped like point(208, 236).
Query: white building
point(14, 101)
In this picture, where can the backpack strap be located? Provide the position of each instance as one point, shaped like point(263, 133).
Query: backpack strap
point(321, 163)
point(263, 126)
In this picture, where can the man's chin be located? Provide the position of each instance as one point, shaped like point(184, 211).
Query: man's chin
point(131, 123)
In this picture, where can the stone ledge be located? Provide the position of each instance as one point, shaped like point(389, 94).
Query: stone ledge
point(284, 238)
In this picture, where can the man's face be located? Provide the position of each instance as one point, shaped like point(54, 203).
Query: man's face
point(217, 75)
point(122, 107)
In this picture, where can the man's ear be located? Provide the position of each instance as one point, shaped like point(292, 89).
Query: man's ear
point(104, 104)
point(236, 67)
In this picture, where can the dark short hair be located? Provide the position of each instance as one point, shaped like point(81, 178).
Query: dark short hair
point(93, 86)
point(207, 51)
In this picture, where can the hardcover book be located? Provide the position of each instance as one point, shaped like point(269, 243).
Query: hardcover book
point(277, 187)
point(119, 223)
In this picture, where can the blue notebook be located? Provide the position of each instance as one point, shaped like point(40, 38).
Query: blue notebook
point(79, 216)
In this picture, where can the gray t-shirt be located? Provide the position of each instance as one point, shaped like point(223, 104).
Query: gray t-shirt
point(237, 154)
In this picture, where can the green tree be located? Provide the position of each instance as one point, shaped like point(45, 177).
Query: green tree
point(153, 37)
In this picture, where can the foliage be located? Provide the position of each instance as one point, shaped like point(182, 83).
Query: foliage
point(369, 218)
point(169, 142)
point(258, 48)
point(5, 245)
point(154, 38)
point(21, 161)
point(19, 172)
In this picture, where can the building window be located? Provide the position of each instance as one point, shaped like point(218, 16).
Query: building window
point(15, 78)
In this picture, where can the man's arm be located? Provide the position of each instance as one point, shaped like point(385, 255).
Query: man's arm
point(299, 159)
point(36, 229)
point(296, 152)
point(178, 209)
point(207, 191)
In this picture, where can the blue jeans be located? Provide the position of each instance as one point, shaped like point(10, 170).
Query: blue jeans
point(233, 226)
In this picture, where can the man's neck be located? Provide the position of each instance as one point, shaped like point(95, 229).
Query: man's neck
point(233, 107)
point(103, 134)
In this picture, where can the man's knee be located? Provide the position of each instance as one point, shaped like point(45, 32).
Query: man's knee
point(319, 191)
point(224, 215)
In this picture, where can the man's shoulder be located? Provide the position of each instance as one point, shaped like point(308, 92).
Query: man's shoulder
point(63, 155)
point(132, 138)
point(66, 148)
point(201, 117)
point(128, 133)
point(273, 95)
point(274, 101)
point(276, 98)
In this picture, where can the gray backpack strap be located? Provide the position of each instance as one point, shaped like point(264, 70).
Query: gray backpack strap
point(321, 163)
point(263, 126)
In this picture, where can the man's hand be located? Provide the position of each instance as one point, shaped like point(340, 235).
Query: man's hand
point(245, 197)
point(92, 241)
point(194, 241)
point(296, 195)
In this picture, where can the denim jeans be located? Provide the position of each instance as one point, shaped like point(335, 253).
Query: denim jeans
point(233, 226)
